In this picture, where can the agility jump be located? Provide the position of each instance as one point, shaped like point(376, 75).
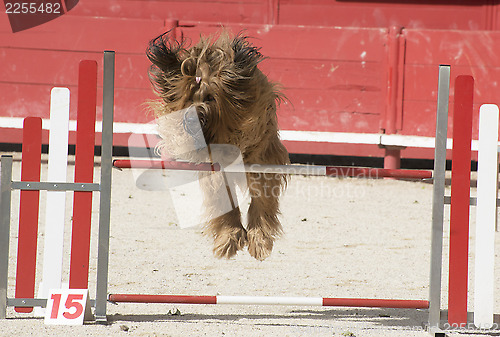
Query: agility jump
point(25, 297)
point(30, 185)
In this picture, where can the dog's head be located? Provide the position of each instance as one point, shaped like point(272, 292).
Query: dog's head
point(216, 82)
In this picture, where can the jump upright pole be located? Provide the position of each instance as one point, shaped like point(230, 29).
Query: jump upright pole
point(438, 197)
point(460, 200)
point(5, 208)
point(84, 173)
point(28, 211)
point(53, 251)
point(486, 216)
point(105, 196)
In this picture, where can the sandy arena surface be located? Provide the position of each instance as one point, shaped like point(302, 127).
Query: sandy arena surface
point(343, 238)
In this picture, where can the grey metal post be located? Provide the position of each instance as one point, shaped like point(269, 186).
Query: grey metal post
point(5, 200)
point(438, 198)
point(105, 195)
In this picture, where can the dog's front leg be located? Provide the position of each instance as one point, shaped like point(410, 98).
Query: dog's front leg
point(263, 224)
point(224, 219)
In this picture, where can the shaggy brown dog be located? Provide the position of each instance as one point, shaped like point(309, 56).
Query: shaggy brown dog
point(217, 86)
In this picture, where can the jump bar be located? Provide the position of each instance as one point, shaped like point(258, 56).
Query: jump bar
point(313, 170)
point(270, 300)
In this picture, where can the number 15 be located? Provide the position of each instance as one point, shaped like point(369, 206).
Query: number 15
point(71, 302)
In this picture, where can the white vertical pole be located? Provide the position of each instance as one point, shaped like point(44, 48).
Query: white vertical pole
point(56, 200)
point(487, 184)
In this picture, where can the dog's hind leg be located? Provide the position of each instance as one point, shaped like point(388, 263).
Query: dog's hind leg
point(263, 224)
point(224, 218)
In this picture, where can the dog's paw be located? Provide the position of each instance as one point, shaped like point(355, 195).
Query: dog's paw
point(226, 245)
point(260, 246)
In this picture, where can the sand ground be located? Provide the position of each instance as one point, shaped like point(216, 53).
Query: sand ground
point(343, 238)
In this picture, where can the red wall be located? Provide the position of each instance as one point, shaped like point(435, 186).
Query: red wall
point(334, 58)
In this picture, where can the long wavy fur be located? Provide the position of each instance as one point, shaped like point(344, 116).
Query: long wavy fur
point(236, 104)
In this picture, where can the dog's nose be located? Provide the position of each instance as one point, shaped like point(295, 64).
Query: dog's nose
point(192, 125)
point(191, 122)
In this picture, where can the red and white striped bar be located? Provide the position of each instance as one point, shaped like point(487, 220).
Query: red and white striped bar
point(312, 170)
point(271, 300)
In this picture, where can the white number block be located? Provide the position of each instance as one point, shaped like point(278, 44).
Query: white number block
point(68, 307)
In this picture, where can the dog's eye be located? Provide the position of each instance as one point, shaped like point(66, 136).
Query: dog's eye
point(209, 98)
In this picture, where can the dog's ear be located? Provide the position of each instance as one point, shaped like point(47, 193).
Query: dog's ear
point(246, 56)
point(165, 55)
point(163, 52)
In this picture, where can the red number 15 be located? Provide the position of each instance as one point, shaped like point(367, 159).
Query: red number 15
point(70, 303)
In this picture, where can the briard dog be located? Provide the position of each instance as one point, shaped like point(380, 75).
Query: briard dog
point(218, 94)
